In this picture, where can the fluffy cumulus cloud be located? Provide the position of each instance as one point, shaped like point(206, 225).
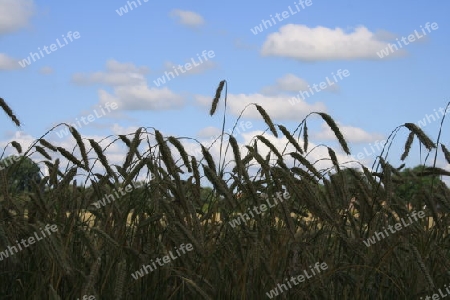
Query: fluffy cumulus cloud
point(15, 14)
point(351, 134)
point(130, 88)
point(8, 63)
point(278, 107)
point(141, 97)
point(303, 43)
point(187, 18)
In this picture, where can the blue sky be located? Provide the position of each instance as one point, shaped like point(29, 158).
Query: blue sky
point(118, 56)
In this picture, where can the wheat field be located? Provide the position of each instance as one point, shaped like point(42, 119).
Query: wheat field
point(95, 251)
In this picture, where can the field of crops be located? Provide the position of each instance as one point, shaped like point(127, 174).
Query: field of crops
point(319, 231)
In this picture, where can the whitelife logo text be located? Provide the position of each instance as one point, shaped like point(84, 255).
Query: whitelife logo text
point(262, 208)
point(398, 226)
point(165, 260)
point(187, 67)
point(89, 119)
point(323, 85)
point(313, 271)
point(391, 48)
point(49, 49)
point(280, 17)
point(31, 240)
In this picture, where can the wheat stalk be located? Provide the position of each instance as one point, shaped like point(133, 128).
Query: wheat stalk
point(267, 119)
point(17, 146)
point(182, 152)
point(408, 144)
point(98, 150)
point(43, 152)
point(423, 138)
point(47, 144)
point(9, 112)
point(216, 97)
point(81, 146)
point(120, 279)
point(92, 276)
point(446, 153)
point(330, 122)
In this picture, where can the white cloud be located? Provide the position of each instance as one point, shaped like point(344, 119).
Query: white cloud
point(292, 83)
point(188, 18)
point(15, 14)
point(117, 129)
point(209, 132)
point(237, 128)
point(46, 70)
point(8, 63)
point(302, 43)
point(130, 88)
point(383, 35)
point(278, 107)
point(350, 133)
point(24, 139)
point(141, 97)
point(110, 79)
point(117, 74)
point(115, 66)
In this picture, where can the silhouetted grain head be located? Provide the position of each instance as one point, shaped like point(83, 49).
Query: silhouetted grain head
point(330, 122)
point(423, 138)
point(408, 144)
point(70, 157)
point(45, 143)
point(17, 146)
point(76, 135)
point(446, 153)
point(305, 137)
point(217, 97)
point(101, 156)
point(9, 112)
point(174, 141)
point(290, 138)
point(267, 119)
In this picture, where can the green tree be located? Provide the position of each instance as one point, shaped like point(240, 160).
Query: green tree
point(347, 184)
point(416, 186)
point(20, 172)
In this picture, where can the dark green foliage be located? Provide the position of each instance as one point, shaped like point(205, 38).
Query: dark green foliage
point(21, 172)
